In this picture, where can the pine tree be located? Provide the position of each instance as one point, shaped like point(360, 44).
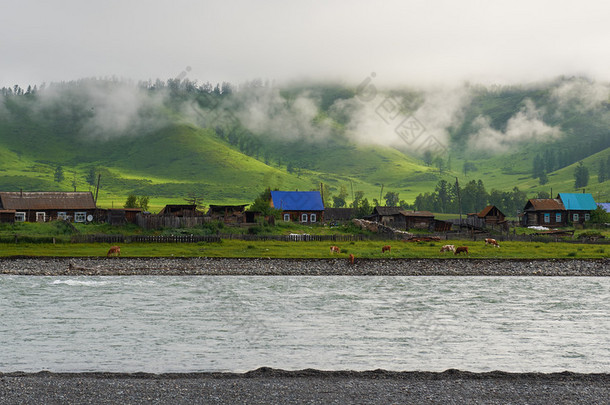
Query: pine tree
point(59, 174)
point(581, 176)
point(601, 173)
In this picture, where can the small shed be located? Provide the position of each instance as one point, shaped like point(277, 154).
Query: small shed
point(418, 219)
point(492, 215)
point(389, 216)
point(335, 215)
point(180, 210)
point(229, 214)
point(121, 216)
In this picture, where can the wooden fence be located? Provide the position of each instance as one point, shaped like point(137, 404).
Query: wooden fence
point(169, 221)
point(144, 238)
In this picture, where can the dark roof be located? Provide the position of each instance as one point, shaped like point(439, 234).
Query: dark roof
point(47, 200)
point(297, 200)
point(578, 201)
point(214, 208)
point(487, 210)
point(545, 204)
point(173, 208)
point(381, 210)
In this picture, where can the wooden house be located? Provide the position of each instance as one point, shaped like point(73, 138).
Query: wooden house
point(549, 212)
point(121, 216)
point(43, 206)
point(299, 206)
point(578, 206)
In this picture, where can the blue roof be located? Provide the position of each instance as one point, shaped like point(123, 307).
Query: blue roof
point(297, 200)
point(578, 201)
point(605, 206)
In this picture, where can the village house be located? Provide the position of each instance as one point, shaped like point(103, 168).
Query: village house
point(399, 218)
point(43, 206)
point(578, 206)
point(492, 215)
point(549, 212)
point(299, 206)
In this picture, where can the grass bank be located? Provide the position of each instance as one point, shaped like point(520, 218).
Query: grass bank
point(313, 250)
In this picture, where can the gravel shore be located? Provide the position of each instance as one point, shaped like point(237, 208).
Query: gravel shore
point(269, 386)
point(304, 267)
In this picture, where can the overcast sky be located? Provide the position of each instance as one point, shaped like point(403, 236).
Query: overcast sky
point(403, 42)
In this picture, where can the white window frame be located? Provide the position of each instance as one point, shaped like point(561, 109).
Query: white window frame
point(575, 217)
point(41, 214)
point(312, 218)
point(286, 217)
point(62, 215)
point(547, 217)
point(558, 217)
point(304, 218)
point(19, 216)
point(80, 216)
point(587, 217)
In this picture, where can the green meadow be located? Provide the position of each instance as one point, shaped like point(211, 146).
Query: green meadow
point(314, 250)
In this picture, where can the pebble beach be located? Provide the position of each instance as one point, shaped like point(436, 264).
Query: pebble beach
point(33, 266)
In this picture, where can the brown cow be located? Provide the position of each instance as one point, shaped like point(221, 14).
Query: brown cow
point(386, 248)
point(351, 258)
point(334, 249)
point(461, 249)
point(114, 250)
point(493, 242)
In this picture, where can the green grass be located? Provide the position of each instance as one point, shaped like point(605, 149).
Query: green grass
point(314, 250)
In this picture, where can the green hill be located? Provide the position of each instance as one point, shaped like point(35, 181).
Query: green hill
point(169, 140)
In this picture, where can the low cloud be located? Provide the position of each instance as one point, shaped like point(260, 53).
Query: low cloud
point(105, 109)
point(581, 95)
point(526, 125)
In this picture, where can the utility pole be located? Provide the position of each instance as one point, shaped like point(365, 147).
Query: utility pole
point(457, 188)
point(97, 188)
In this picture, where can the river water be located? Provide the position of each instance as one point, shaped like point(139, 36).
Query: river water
point(239, 323)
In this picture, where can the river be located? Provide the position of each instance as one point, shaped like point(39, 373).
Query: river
point(239, 323)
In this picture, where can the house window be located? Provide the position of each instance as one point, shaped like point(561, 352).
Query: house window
point(312, 218)
point(303, 217)
point(547, 218)
point(80, 216)
point(587, 217)
point(558, 218)
point(62, 216)
point(40, 216)
point(20, 217)
point(575, 217)
point(287, 217)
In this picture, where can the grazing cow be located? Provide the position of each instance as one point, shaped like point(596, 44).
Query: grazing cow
point(493, 242)
point(351, 258)
point(386, 248)
point(334, 249)
point(114, 250)
point(448, 248)
point(461, 249)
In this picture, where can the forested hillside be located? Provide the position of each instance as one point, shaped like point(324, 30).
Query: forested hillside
point(226, 143)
